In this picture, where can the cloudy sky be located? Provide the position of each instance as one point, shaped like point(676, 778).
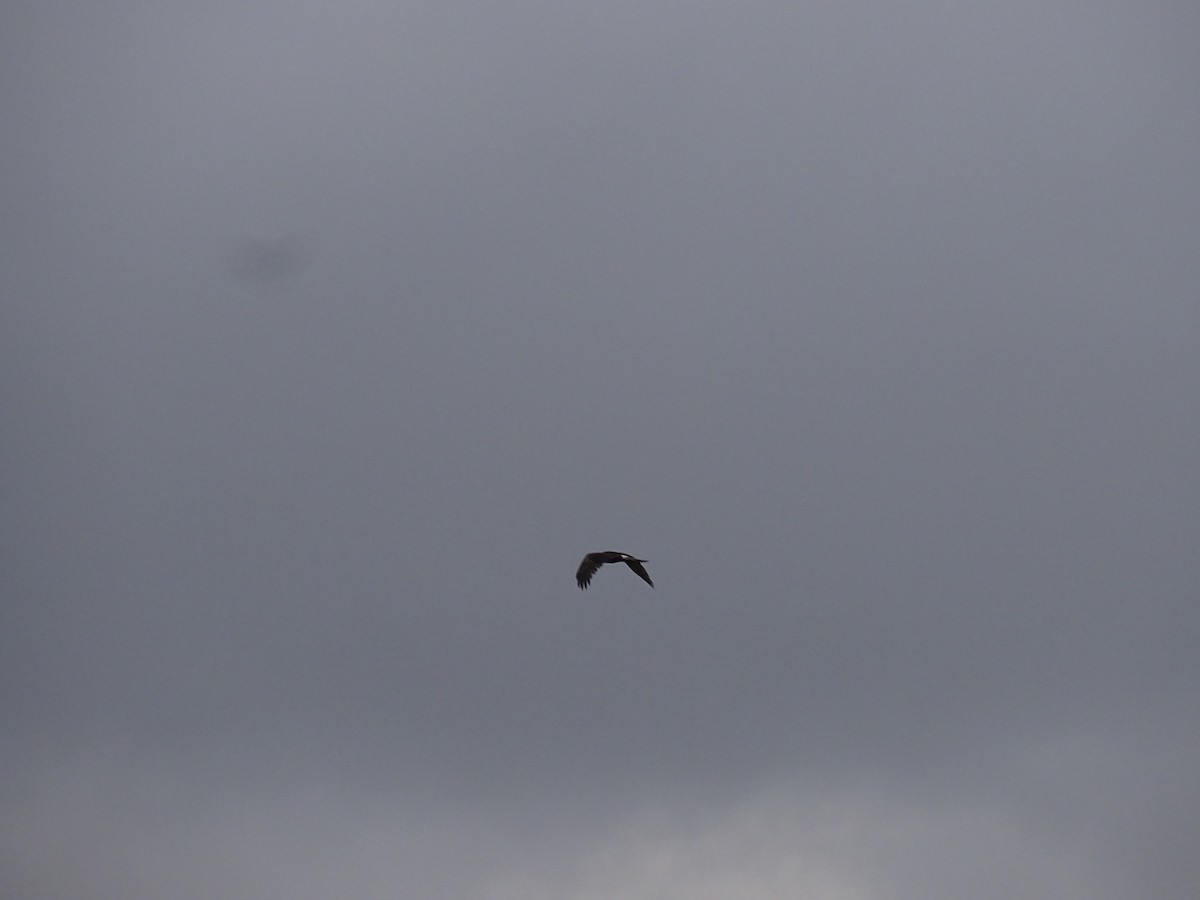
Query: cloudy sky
point(335, 334)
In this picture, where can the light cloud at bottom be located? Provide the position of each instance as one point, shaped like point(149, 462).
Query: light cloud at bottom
point(116, 828)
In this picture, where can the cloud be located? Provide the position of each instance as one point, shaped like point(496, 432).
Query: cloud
point(123, 831)
point(872, 327)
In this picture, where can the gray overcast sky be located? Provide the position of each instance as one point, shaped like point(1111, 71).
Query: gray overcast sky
point(335, 334)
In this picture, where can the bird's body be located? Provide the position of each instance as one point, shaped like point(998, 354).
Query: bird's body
point(593, 561)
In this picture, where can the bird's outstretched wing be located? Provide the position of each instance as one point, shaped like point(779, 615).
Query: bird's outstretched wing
point(639, 569)
point(587, 568)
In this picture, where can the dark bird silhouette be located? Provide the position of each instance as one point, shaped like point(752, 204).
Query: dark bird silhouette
point(593, 561)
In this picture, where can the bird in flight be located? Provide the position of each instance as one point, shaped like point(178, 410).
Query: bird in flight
point(593, 561)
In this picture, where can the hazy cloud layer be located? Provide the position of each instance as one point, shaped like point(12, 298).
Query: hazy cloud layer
point(336, 335)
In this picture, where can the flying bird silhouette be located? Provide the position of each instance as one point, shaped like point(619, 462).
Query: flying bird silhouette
point(593, 561)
